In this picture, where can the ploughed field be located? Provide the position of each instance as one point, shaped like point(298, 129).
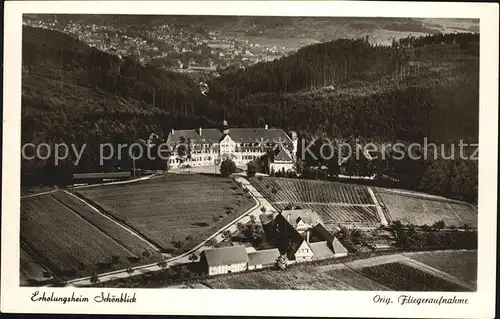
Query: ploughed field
point(402, 277)
point(420, 210)
point(336, 203)
point(175, 212)
point(71, 240)
point(462, 264)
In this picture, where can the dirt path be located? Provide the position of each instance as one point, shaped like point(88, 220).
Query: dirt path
point(380, 212)
point(326, 204)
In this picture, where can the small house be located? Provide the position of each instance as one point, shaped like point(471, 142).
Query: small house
point(225, 260)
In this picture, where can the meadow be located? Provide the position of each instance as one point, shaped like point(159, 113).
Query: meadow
point(419, 210)
point(175, 212)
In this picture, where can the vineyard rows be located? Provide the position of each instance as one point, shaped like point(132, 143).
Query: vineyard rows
point(304, 191)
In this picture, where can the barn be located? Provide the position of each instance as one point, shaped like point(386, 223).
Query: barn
point(263, 258)
point(225, 260)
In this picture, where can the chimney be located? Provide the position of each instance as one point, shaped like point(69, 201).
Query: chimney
point(199, 130)
point(307, 236)
point(173, 131)
point(266, 126)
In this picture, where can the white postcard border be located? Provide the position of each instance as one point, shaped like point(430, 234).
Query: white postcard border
point(253, 302)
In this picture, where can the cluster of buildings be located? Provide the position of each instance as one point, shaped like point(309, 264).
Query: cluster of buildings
point(299, 235)
point(159, 43)
point(210, 146)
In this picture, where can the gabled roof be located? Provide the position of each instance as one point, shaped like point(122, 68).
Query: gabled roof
point(226, 255)
point(337, 247)
point(321, 250)
point(307, 215)
point(239, 135)
point(323, 233)
point(263, 257)
point(283, 156)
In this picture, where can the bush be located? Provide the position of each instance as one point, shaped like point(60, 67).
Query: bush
point(227, 167)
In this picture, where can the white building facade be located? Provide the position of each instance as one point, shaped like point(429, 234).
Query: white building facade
point(208, 147)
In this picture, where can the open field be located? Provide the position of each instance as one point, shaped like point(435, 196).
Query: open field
point(30, 271)
point(420, 210)
point(333, 277)
point(65, 242)
point(402, 277)
point(175, 212)
point(460, 264)
point(336, 203)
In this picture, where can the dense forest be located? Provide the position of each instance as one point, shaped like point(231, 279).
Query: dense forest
point(345, 89)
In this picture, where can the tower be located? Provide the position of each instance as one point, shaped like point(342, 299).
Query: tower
point(225, 128)
point(295, 142)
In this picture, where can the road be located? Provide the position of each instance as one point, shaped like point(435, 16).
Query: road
point(184, 258)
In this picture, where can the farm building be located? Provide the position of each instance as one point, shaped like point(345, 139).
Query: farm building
point(211, 145)
point(301, 219)
point(290, 241)
point(225, 260)
point(302, 236)
point(283, 162)
point(263, 258)
point(103, 177)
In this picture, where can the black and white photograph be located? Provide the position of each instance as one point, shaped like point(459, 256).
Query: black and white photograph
point(250, 152)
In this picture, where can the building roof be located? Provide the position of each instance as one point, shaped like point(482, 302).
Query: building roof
point(239, 135)
point(321, 249)
point(101, 175)
point(283, 156)
point(226, 255)
point(337, 247)
point(323, 233)
point(307, 215)
point(263, 257)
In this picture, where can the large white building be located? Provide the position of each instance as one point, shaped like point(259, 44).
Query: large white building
point(210, 146)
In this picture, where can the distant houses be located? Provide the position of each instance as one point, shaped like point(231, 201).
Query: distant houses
point(299, 235)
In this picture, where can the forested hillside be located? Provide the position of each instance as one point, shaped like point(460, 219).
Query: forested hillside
point(344, 89)
point(427, 86)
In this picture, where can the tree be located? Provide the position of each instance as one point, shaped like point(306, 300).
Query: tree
point(281, 262)
point(226, 234)
point(263, 209)
point(251, 169)
point(94, 278)
point(193, 257)
point(256, 232)
point(130, 270)
point(215, 219)
point(211, 242)
point(241, 227)
point(252, 219)
point(439, 225)
point(227, 167)
point(299, 167)
point(146, 254)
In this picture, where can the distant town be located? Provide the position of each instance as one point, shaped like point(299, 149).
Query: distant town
point(166, 46)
